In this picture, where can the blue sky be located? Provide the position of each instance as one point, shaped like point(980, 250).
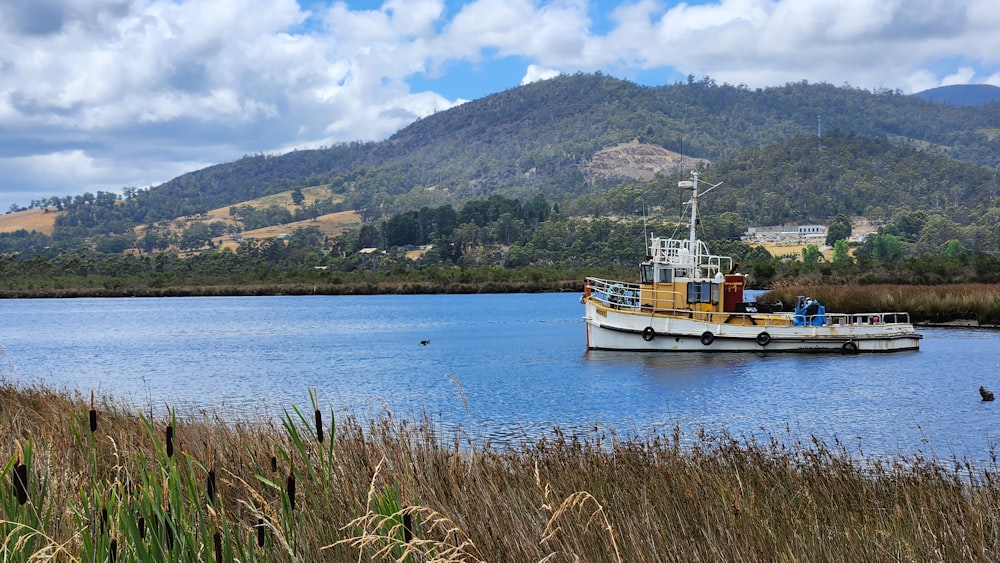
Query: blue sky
point(107, 94)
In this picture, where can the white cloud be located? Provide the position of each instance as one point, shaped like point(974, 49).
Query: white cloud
point(993, 79)
point(921, 80)
point(536, 73)
point(963, 75)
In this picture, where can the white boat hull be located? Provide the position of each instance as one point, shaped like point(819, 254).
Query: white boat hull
point(610, 329)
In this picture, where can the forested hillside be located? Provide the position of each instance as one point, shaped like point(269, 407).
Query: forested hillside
point(537, 138)
point(507, 181)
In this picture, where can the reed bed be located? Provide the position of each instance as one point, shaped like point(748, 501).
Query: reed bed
point(85, 479)
point(976, 303)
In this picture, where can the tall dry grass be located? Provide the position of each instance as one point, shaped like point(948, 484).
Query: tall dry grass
point(979, 303)
point(123, 486)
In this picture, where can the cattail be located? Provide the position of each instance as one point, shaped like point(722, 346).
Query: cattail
point(218, 545)
point(260, 532)
point(20, 478)
point(170, 441)
point(319, 426)
point(113, 551)
point(407, 527)
point(168, 530)
point(274, 464)
point(141, 524)
point(210, 486)
point(291, 489)
point(104, 518)
point(93, 414)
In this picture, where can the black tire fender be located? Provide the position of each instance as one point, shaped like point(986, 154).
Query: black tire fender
point(648, 334)
point(850, 347)
point(707, 338)
point(763, 339)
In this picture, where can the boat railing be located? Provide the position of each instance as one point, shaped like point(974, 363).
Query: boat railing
point(890, 317)
point(615, 294)
point(680, 252)
point(630, 296)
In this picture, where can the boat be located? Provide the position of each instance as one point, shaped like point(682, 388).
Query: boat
point(689, 300)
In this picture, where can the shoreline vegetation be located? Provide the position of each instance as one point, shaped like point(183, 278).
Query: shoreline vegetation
point(94, 481)
point(962, 304)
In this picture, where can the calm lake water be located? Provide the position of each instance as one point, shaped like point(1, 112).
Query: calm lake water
point(503, 367)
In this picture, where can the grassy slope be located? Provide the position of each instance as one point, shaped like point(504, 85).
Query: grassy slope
point(332, 224)
point(30, 220)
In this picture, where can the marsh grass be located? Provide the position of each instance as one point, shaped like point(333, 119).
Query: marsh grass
point(933, 304)
point(391, 490)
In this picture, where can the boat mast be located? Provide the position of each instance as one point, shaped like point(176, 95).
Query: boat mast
point(694, 209)
point(693, 186)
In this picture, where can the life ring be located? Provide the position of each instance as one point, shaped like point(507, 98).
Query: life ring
point(707, 338)
point(648, 334)
point(850, 347)
point(763, 339)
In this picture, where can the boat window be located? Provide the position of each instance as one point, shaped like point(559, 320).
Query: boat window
point(694, 292)
point(666, 275)
point(702, 292)
point(646, 273)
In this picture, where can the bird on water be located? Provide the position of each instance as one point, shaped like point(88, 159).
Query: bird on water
point(986, 394)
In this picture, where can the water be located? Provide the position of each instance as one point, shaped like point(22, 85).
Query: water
point(502, 367)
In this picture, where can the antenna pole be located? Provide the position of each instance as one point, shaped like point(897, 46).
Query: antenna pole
point(645, 231)
point(819, 132)
point(694, 209)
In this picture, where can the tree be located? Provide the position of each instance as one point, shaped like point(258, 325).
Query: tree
point(954, 248)
point(297, 196)
point(196, 236)
point(840, 229)
point(811, 254)
point(841, 253)
point(887, 248)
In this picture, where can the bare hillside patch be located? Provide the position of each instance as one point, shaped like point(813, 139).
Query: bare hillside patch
point(638, 161)
point(29, 220)
point(331, 224)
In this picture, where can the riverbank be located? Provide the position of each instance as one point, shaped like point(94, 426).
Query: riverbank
point(89, 477)
point(965, 305)
point(319, 288)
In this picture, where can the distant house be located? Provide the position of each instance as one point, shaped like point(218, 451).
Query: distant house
point(808, 231)
point(785, 233)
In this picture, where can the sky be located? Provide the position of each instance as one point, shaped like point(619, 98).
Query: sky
point(101, 95)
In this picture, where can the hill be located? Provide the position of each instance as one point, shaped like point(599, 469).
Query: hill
point(572, 139)
point(962, 94)
point(538, 138)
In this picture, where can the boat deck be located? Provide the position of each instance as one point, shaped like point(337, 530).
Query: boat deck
point(634, 298)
